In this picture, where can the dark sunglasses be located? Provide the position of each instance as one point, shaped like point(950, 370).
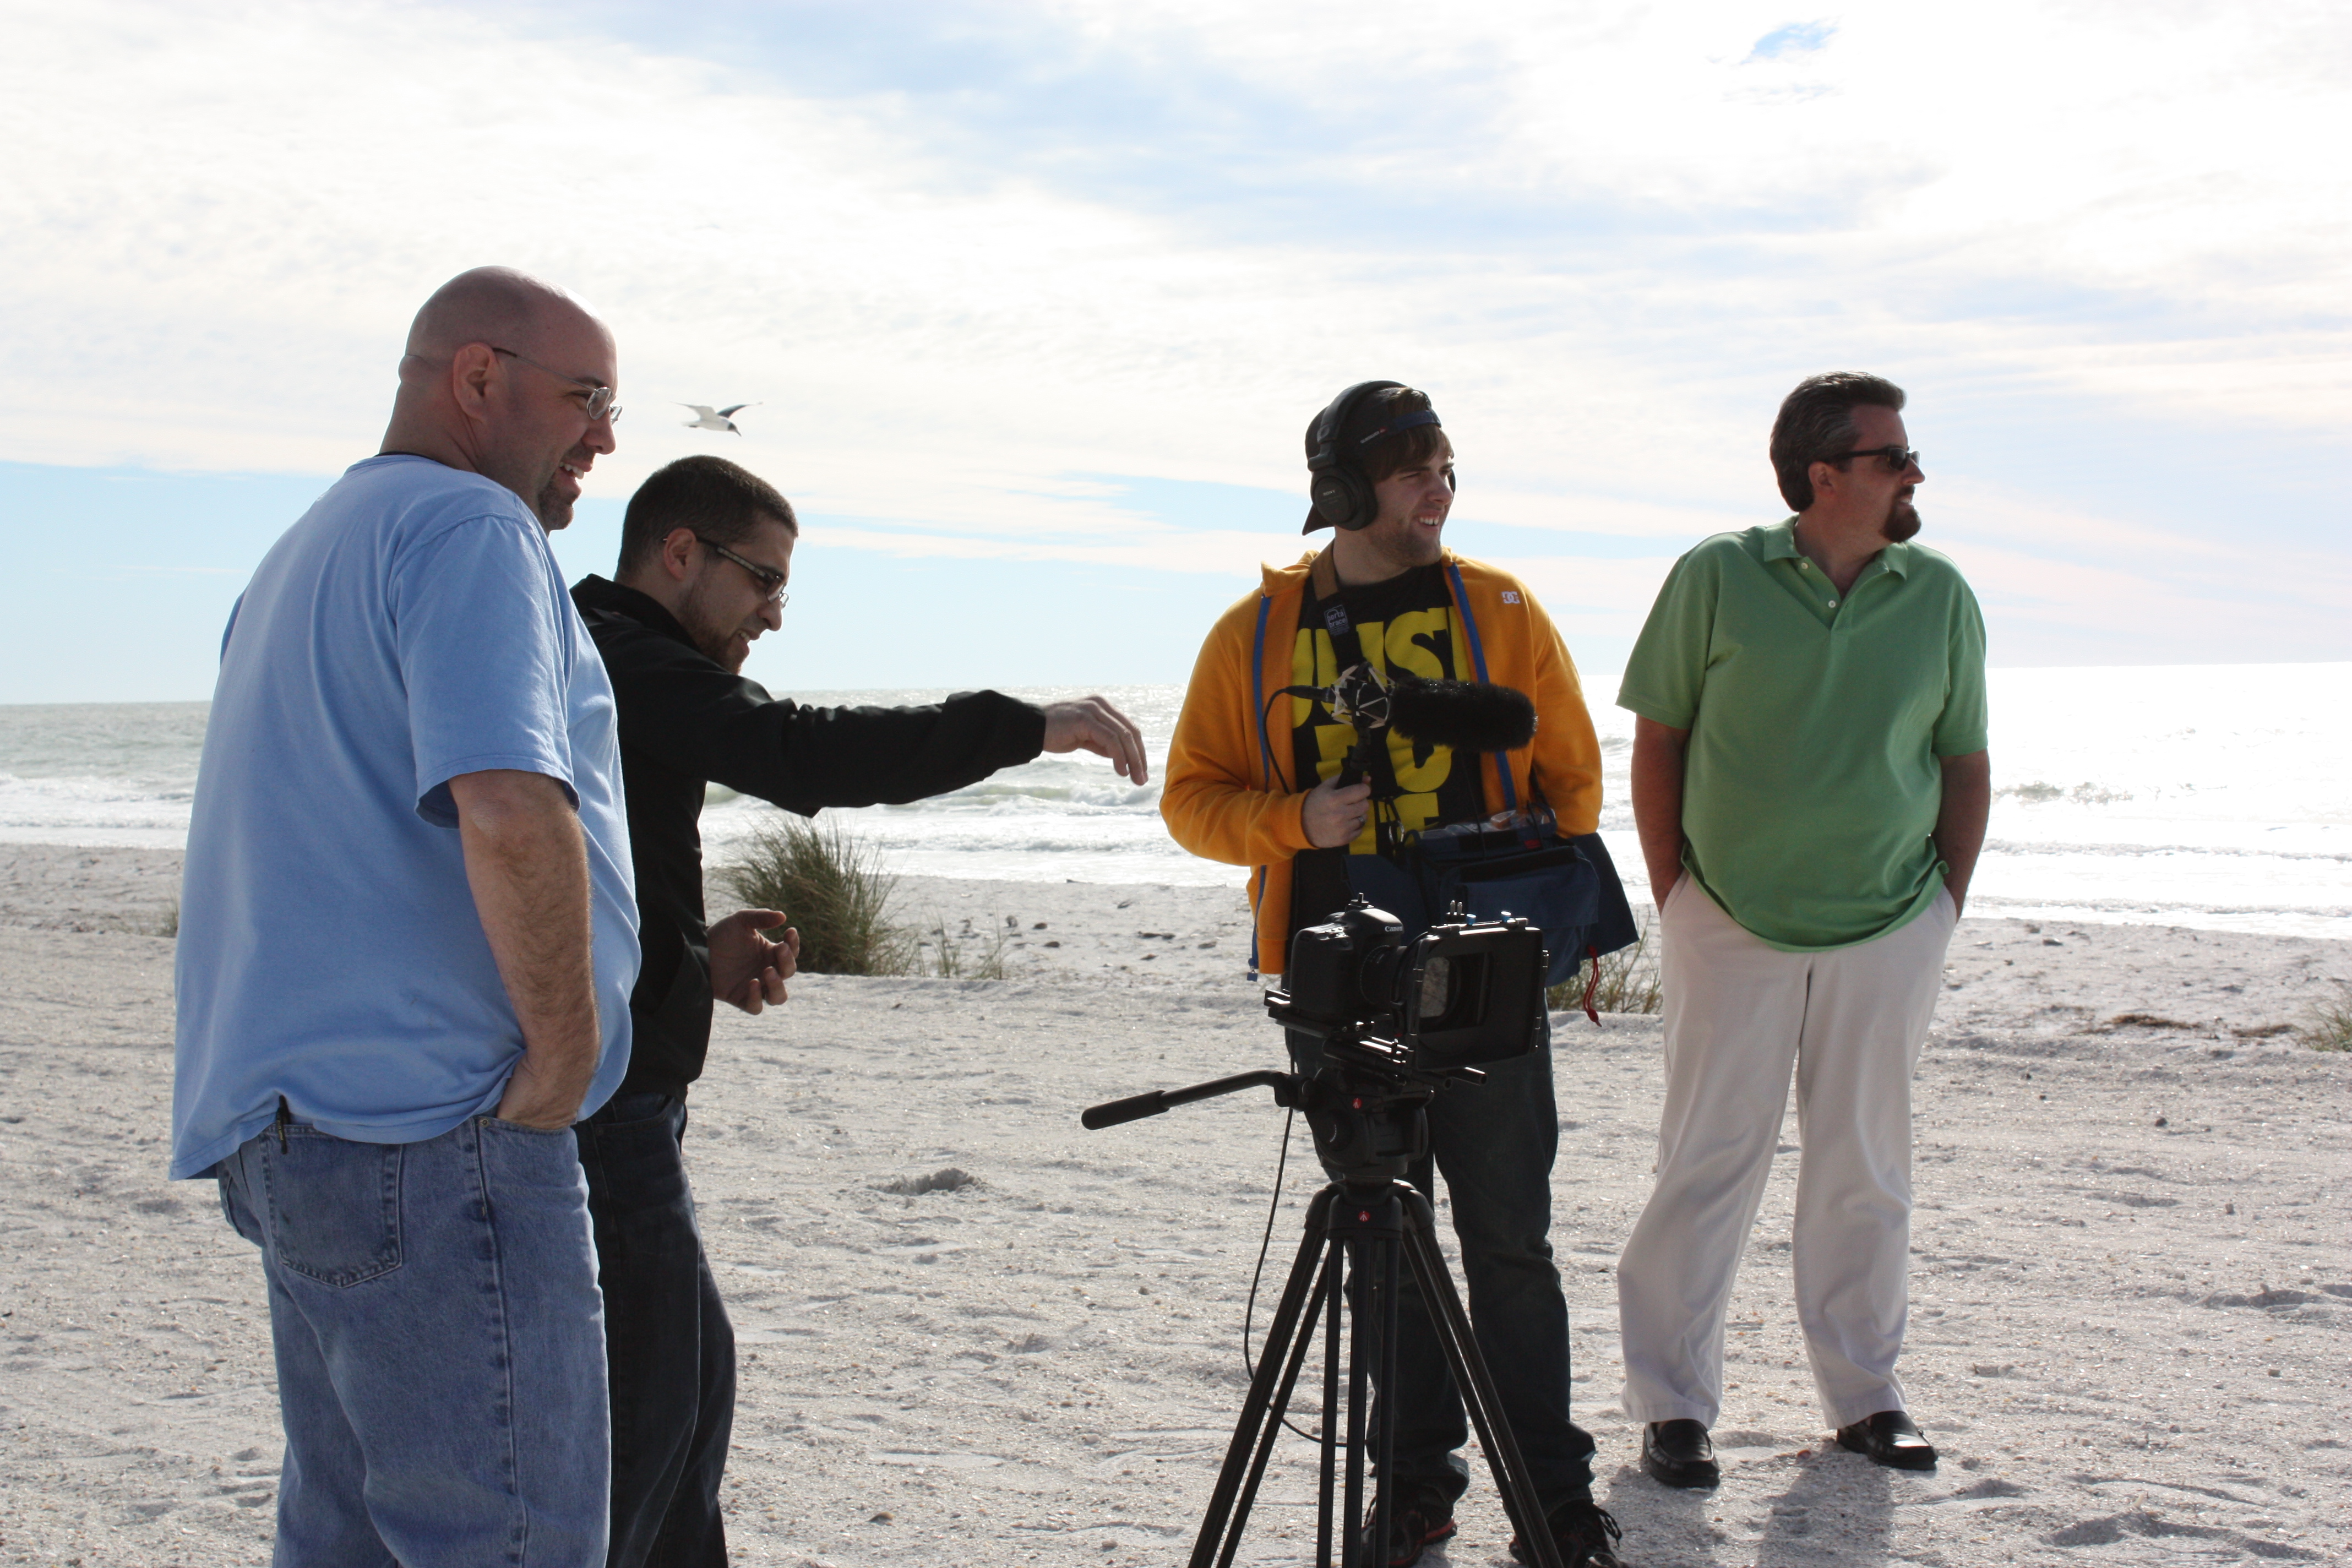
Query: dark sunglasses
point(1896, 459)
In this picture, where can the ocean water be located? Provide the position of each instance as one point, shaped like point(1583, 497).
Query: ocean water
point(2218, 797)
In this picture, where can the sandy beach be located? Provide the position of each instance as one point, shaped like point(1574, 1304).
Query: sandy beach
point(2132, 1301)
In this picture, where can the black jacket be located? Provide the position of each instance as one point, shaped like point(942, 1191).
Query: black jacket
point(684, 722)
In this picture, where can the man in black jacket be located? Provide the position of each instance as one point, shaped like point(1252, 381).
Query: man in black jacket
point(705, 552)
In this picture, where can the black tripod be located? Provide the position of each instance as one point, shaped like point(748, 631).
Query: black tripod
point(1362, 1229)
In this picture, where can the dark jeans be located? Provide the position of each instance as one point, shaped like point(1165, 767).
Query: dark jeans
point(670, 1352)
point(1494, 1142)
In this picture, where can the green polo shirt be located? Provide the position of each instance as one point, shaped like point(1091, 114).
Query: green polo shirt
point(1811, 780)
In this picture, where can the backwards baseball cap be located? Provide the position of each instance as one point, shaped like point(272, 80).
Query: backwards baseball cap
point(1340, 439)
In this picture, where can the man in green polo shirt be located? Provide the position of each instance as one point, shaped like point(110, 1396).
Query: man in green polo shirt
point(1811, 785)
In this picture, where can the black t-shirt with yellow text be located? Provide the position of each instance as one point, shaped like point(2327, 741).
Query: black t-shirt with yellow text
point(1406, 623)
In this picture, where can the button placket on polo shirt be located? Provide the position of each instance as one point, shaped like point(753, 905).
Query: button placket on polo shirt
point(1877, 568)
point(1817, 584)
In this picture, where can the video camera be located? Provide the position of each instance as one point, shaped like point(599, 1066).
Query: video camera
point(1463, 993)
point(1395, 1020)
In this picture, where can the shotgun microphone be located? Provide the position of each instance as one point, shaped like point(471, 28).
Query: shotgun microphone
point(1467, 715)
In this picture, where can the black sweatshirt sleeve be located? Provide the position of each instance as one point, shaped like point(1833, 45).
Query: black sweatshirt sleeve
point(678, 706)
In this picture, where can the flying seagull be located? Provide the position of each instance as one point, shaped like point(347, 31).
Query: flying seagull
point(709, 418)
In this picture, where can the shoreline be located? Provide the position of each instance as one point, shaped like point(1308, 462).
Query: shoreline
point(135, 890)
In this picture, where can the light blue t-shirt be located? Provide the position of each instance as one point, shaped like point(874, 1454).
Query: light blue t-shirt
point(411, 628)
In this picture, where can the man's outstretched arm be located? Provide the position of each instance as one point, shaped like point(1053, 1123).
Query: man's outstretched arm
point(678, 706)
point(527, 863)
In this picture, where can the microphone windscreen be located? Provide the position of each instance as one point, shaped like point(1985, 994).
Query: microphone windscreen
point(1467, 715)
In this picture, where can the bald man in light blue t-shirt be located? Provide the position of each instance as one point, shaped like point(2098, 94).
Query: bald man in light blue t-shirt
point(406, 943)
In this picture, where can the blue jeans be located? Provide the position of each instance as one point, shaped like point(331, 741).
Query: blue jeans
point(1494, 1142)
point(671, 1351)
point(440, 1346)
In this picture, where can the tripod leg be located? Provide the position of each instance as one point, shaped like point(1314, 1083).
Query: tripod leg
point(1361, 1348)
point(1329, 1472)
point(1273, 1359)
point(1326, 1283)
point(1373, 1225)
point(1384, 1411)
point(1475, 1381)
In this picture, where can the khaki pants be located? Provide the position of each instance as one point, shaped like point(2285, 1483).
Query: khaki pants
point(1739, 1015)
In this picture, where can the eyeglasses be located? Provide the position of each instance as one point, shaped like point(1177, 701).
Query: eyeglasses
point(600, 396)
point(1897, 458)
point(772, 583)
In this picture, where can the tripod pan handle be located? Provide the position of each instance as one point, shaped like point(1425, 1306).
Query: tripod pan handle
point(1134, 1108)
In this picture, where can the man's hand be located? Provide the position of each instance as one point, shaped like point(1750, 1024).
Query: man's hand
point(1334, 814)
point(1092, 724)
point(540, 1097)
point(747, 970)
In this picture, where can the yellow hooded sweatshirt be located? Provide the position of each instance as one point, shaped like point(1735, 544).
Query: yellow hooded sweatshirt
point(1221, 801)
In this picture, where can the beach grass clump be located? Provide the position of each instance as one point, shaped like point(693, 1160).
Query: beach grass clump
point(832, 888)
point(2328, 1026)
point(1629, 982)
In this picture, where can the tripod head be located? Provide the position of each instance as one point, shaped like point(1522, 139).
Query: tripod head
point(1369, 1127)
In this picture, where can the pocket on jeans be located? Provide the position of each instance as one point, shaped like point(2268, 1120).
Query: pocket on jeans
point(234, 1209)
point(335, 1207)
point(528, 1159)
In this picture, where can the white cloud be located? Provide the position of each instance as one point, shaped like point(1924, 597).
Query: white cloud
point(216, 222)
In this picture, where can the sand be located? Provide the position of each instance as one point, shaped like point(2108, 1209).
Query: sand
point(2132, 1301)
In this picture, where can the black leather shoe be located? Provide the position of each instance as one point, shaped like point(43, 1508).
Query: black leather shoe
point(1679, 1454)
point(1889, 1438)
point(1584, 1534)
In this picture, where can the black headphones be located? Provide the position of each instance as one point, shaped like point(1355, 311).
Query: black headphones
point(1343, 497)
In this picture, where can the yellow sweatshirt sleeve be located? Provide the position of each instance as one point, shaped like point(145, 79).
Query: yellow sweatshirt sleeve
point(1217, 802)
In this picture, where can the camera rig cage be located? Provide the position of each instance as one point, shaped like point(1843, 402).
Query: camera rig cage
point(1463, 993)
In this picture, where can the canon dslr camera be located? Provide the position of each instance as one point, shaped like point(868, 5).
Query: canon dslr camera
point(1460, 994)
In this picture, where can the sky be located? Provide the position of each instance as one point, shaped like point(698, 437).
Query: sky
point(1034, 303)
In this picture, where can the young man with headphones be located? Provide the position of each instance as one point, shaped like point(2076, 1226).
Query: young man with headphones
point(1261, 788)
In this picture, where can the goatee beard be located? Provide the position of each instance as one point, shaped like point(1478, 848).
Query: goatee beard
point(1902, 522)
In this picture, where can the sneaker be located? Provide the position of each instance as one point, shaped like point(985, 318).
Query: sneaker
point(1586, 1537)
point(1424, 1517)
